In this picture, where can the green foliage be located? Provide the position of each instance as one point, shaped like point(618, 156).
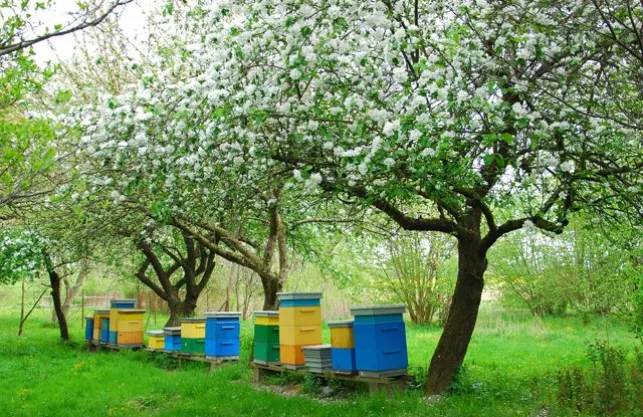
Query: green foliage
point(581, 271)
point(414, 270)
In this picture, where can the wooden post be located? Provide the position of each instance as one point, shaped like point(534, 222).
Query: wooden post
point(155, 303)
point(82, 309)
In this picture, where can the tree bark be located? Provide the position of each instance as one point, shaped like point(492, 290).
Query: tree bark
point(180, 309)
point(55, 279)
point(463, 313)
point(72, 291)
point(271, 287)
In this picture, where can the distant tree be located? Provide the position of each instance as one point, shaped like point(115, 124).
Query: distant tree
point(414, 270)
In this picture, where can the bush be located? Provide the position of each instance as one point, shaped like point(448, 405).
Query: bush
point(612, 386)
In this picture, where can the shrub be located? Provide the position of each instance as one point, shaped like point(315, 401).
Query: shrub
point(611, 387)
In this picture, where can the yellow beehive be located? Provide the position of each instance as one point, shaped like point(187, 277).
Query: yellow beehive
point(130, 326)
point(98, 315)
point(300, 335)
point(300, 316)
point(342, 337)
point(291, 355)
point(193, 329)
point(156, 340)
point(267, 321)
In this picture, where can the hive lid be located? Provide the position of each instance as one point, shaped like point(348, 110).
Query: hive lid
point(130, 310)
point(122, 300)
point(101, 311)
point(266, 314)
point(192, 319)
point(341, 323)
point(317, 347)
point(172, 330)
point(377, 310)
point(89, 317)
point(223, 314)
point(299, 295)
point(155, 332)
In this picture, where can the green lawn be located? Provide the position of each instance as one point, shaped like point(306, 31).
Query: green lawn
point(508, 372)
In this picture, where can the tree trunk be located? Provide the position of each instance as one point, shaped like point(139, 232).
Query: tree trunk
point(72, 291)
point(180, 309)
point(453, 344)
point(271, 287)
point(55, 279)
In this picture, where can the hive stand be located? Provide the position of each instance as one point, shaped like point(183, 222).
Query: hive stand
point(214, 362)
point(388, 385)
point(94, 346)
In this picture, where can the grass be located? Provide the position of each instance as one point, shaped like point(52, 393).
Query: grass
point(507, 373)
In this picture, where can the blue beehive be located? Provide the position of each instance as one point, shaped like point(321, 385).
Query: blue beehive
point(122, 303)
point(343, 346)
point(172, 338)
point(380, 341)
point(222, 331)
point(89, 328)
point(309, 302)
point(104, 330)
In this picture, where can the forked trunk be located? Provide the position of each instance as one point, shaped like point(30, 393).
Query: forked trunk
point(178, 310)
point(453, 344)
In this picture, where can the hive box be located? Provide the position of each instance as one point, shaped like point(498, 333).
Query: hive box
point(89, 328)
point(130, 324)
point(172, 336)
point(318, 358)
point(380, 341)
point(266, 342)
point(156, 339)
point(116, 305)
point(193, 335)
point(299, 326)
point(104, 330)
point(99, 315)
point(342, 340)
point(222, 332)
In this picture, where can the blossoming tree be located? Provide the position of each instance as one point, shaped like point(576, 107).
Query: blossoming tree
point(470, 118)
point(488, 116)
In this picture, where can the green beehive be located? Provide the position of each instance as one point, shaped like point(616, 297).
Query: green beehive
point(193, 346)
point(266, 344)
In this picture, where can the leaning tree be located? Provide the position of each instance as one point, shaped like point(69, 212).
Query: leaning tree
point(473, 119)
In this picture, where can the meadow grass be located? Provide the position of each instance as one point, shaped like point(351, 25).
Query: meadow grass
point(508, 372)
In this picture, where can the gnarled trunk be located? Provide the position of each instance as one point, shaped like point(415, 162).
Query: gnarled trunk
point(180, 309)
point(453, 344)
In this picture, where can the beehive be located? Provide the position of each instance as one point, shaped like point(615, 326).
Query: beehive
point(104, 330)
point(318, 358)
point(130, 327)
point(116, 305)
point(172, 336)
point(89, 328)
point(266, 342)
point(99, 315)
point(222, 333)
point(342, 340)
point(380, 341)
point(299, 326)
point(156, 339)
point(193, 335)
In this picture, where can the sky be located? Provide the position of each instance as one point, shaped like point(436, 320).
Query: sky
point(131, 19)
